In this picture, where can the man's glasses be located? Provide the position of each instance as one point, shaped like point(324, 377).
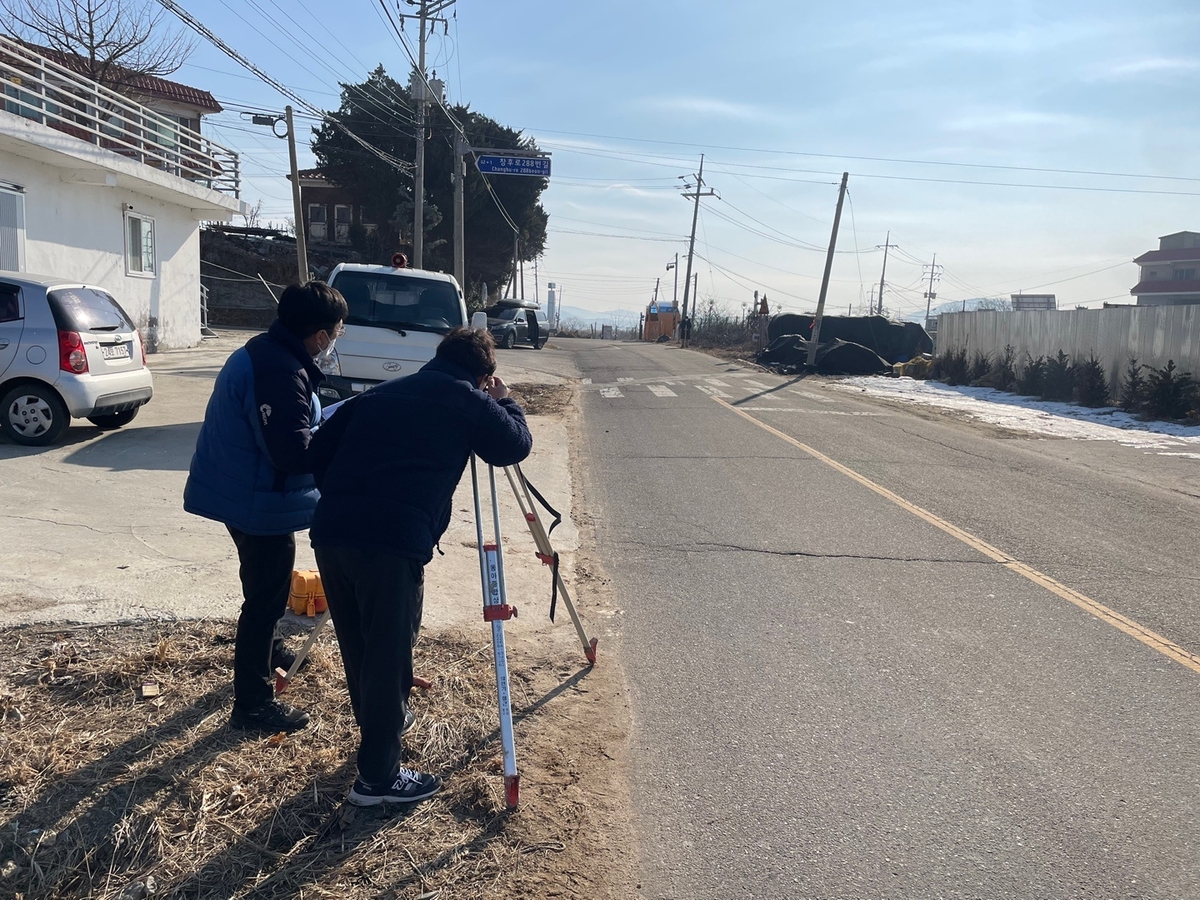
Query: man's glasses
point(341, 330)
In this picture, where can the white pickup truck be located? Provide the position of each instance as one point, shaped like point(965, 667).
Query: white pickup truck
point(397, 318)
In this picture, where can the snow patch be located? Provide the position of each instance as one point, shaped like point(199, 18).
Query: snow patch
point(1032, 416)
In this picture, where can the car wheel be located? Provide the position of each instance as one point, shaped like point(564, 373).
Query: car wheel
point(510, 340)
point(114, 420)
point(34, 415)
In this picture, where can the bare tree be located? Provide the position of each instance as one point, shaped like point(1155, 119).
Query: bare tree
point(996, 303)
point(116, 39)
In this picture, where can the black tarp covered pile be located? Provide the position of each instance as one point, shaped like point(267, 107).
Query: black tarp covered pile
point(894, 341)
point(789, 354)
point(850, 345)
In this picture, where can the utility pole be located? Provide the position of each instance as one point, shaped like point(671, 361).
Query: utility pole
point(516, 262)
point(930, 296)
point(887, 242)
point(427, 12)
point(696, 193)
point(675, 293)
point(654, 299)
point(272, 122)
point(301, 246)
point(460, 176)
point(815, 338)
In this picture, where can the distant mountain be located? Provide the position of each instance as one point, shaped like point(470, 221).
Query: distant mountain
point(623, 317)
point(958, 306)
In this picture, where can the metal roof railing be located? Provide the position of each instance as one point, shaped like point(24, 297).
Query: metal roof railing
point(39, 89)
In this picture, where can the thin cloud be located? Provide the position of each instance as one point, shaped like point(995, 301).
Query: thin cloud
point(712, 108)
point(1014, 118)
point(1155, 65)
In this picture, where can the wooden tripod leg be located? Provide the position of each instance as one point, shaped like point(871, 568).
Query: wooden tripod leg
point(282, 678)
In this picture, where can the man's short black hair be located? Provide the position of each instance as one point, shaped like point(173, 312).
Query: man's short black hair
point(305, 309)
point(470, 349)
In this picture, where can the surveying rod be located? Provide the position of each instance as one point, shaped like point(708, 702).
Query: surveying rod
point(496, 610)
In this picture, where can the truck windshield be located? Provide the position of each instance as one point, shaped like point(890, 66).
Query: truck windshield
point(378, 298)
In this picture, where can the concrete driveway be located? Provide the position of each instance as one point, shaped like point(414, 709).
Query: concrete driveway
point(94, 531)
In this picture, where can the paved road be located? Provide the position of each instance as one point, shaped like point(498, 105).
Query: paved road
point(875, 653)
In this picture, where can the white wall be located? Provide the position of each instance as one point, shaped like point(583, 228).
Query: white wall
point(77, 231)
point(1151, 334)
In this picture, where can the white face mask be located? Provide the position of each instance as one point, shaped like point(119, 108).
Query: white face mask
point(325, 355)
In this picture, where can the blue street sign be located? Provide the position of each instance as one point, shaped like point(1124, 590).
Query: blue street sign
point(493, 164)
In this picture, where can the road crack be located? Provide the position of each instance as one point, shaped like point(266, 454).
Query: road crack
point(711, 546)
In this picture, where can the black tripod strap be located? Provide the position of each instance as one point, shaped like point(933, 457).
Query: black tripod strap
point(554, 587)
point(542, 500)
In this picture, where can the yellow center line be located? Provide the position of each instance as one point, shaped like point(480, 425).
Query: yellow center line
point(1148, 637)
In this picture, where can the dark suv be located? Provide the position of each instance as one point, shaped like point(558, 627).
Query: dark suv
point(511, 325)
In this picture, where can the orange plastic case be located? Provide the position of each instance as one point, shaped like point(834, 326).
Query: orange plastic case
point(307, 597)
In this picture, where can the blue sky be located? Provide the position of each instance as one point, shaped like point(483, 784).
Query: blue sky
point(917, 100)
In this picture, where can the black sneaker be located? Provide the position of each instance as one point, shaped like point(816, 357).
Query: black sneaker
point(282, 658)
point(409, 721)
point(409, 787)
point(272, 716)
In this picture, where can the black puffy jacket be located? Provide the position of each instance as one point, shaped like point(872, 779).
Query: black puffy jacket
point(388, 461)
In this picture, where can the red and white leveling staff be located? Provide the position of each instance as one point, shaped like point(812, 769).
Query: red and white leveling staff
point(496, 610)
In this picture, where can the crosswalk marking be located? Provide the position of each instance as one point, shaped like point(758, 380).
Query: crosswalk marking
point(756, 384)
point(713, 392)
point(661, 390)
point(808, 395)
point(611, 393)
point(624, 380)
point(716, 382)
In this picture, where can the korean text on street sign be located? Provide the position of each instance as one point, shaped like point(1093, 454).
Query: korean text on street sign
point(490, 164)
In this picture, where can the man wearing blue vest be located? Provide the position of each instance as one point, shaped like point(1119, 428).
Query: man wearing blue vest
point(251, 471)
point(387, 464)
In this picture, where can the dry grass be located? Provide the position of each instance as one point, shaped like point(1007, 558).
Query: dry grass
point(105, 794)
point(543, 399)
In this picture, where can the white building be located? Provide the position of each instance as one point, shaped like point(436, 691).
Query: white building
point(1169, 274)
point(110, 188)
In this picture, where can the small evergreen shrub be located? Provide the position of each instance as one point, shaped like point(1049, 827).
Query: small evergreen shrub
point(1133, 387)
point(953, 367)
point(981, 365)
point(1030, 381)
point(1004, 375)
point(1170, 393)
point(1091, 384)
point(1058, 382)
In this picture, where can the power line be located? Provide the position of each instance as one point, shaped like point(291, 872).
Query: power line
point(203, 31)
point(901, 161)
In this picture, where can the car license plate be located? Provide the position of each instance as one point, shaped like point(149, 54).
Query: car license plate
point(115, 351)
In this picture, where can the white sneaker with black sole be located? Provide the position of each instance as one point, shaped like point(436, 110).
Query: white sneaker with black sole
point(407, 787)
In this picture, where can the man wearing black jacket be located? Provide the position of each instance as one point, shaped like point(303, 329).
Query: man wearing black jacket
point(387, 464)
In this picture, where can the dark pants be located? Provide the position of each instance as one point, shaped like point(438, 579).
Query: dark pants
point(267, 561)
point(376, 599)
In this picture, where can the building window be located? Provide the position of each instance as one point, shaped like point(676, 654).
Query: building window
point(341, 223)
point(316, 221)
point(12, 231)
point(1185, 274)
point(139, 245)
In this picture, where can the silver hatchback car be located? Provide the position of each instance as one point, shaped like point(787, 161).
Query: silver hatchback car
point(66, 349)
